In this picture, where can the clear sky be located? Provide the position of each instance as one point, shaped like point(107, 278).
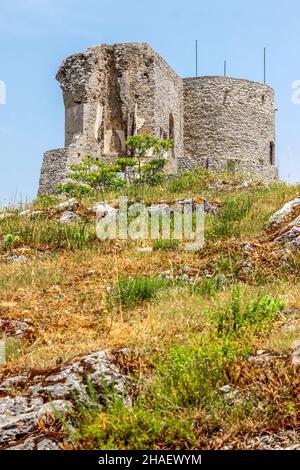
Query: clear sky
point(36, 35)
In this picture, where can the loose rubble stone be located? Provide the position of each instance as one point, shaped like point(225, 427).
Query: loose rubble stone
point(293, 245)
point(263, 357)
point(20, 329)
point(278, 218)
point(296, 353)
point(145, 250)
point(21, 259)
point(69, 205)
point(289, 236)
point(160, 209)
point(103, 209)
point(6, 215)
point(230, 394)
point(31, 214)
point(281, 440)
point(69, 217)
point(192, 203)
point(249, 248)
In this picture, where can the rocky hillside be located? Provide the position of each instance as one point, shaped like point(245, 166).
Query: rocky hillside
point(143, 345)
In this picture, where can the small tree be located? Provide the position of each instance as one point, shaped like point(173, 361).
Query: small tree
point(91, 176)
point(146, 160)
point(142, 166)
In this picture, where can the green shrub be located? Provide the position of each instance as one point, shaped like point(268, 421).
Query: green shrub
point(77, 235)
point(119, 427)
point(195, 180)
point(130, 292)
point(44, 201)
point(11, 240)
point(39, 233)
point(228, 222)
point(257, 314)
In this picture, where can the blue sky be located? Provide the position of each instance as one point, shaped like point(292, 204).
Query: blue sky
point(36, 35)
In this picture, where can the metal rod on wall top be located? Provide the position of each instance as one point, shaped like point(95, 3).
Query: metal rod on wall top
point(265, 65)
point(225, 68)
point(196, 58)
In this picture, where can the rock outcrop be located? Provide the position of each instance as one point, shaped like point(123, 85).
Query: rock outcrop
point(32, 403)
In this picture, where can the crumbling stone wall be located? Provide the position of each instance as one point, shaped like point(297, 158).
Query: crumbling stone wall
point(114, 91)
point(54, 170)
point(229, 125)
point(111, 92)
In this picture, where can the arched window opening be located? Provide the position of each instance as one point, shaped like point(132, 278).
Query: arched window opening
point(272, 153)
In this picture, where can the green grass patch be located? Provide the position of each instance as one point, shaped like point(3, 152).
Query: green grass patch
point(185, 387)
point(165, 245)
point(131, 292)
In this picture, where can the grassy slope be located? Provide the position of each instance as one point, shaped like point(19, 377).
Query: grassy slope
point(183, 343)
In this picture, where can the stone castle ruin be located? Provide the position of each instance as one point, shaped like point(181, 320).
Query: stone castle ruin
point(114, 91)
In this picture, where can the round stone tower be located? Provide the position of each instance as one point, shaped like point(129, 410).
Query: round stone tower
point(229, 125)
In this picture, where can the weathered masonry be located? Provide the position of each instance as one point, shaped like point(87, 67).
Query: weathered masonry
point(113, 91)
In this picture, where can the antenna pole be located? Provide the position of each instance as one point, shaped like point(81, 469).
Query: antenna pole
point(196, 57)
point(225, 68)
point(265, 65)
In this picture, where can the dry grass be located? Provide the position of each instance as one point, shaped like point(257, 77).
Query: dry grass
point(63, 292)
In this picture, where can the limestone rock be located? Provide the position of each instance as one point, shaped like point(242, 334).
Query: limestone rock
point(104, 209)
point(43, 394)
point(296, 353)
point(145, 250)
point(296, 358)
point(248, 248)
point(31, 214)
point(193, 202)
point(69, 205)
point(21, 259)
point(6, 215)
point(278, 218)
point(289, 236)
point(69, 217)
point(231, 395)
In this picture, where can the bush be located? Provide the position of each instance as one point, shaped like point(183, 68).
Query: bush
point(11, 240)
point(91, 176)
point(44, 201)
point(228, 222)
point(130, 292)
point(76, 190)
point(257, 315)
point(195, 180)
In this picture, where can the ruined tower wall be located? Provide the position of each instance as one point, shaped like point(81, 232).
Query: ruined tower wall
point(114, 91)
point(53, 171)
point(229, 125)
point(168, 115)
point(111, 92)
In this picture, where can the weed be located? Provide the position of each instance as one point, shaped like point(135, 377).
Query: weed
point(165, 245)
point(130, 292)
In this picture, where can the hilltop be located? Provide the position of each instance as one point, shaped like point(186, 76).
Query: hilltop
point(146, 345)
